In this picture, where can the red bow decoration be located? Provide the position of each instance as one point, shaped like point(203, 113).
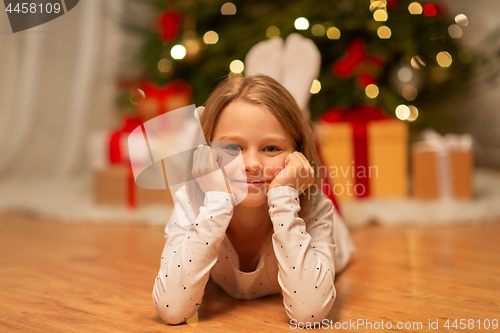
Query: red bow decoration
point(169, 24)
point(358, 117)
point(158, 100)
point(356, 62)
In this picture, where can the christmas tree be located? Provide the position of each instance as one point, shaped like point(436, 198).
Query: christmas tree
point(401, 56)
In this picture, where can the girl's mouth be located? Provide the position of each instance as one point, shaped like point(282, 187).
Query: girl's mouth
point(253, 183)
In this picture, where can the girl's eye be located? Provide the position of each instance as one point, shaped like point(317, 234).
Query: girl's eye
point(233, 148)
point(272, 149)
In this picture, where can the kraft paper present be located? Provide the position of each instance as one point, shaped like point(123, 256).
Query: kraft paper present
point(115, 186)
point(386, 170)
point(442, 167)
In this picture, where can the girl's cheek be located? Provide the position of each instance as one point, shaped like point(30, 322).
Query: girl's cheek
point(272, 169)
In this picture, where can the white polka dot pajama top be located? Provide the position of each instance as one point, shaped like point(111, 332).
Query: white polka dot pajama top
point(300, 262)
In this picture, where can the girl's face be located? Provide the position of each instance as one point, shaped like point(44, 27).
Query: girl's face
point(257, 135)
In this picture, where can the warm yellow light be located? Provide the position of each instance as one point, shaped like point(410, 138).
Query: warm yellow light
point(210, 37)
point(301, 23)
point(315, 87)
point(462, 20)
point(236, 66)
point(384, 32)
point(415, 8)
point(273, 31)
point(455, 31)
point(380, 15)
point(444, 59)
point(164, 65)
point(333, 33)
point(409, 92)
point(417, 62)
point(228, 9)
point(402, 112)
point(178, 52)
point(413, 113)
point(405, 74)
point(318, 30)
point(377, 5)
point(371, 90)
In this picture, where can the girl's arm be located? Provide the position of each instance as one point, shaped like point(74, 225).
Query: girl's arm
point(305, 253)
point(188, 256)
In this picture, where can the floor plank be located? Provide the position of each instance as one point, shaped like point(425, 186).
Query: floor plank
point(64, 277)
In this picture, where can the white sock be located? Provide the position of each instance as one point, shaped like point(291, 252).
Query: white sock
point(265, 58)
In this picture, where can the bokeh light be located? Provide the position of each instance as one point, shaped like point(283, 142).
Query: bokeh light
point(315, 87)
point(301, 23)
point(413, 113)
point(178, 52)
point(273, 31)
point(333, 33)
point(318, 30)
point(210, 37)
point(380, 15)
point(371, 90)
point(462, 20)
point(402, 112)
point(417, 62)
point(430, 10)
point(377, 5)
point(228, 9)
point(405, 74)
point(236, 66)
point(455, 31)
point(444, 59)
point(136, 96)
point(415, 8)
point(164, 65)
point(409, 92)
point(384, 32)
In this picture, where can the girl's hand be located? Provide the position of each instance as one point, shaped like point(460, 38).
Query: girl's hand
point(206, 170)
point(297, 173)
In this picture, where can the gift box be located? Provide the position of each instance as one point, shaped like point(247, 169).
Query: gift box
point(115, 186)
point(365, 153)
point(442, 166)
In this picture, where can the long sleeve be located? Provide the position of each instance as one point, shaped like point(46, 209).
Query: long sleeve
point(305, 255)
point(188, 256)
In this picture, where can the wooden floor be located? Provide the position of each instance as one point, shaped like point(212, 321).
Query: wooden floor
point(63, 277)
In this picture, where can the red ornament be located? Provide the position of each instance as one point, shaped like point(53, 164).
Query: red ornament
point(430, 10)
point(169, 24)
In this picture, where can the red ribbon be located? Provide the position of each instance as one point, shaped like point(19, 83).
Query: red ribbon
point(358, 117)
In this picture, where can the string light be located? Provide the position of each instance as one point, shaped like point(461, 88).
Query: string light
point(415, 8)
point(178, 52)
point(210, 37)
point(301, 23)
point(444, 59)
point(318, 30)
point(315, 87)
point(384, 32)
point(333, 33)
point(377, 5)
point(228, 9)
point(371, 90)
point(402, 112)
point(380, 15)
point(272, 31)
point(236, 66)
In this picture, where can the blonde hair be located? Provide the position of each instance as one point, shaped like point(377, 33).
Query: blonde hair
point(267, 93)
